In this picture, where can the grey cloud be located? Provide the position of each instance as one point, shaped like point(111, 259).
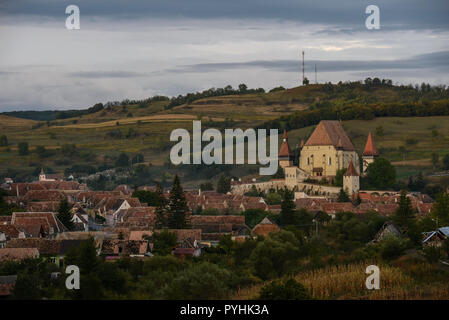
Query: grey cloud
point(436, 60)
point(429, 14)
point(107, 74)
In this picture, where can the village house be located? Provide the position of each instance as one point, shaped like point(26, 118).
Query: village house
point(134, 216)
point(18, 254)
point(52, 249)
point(38, 224)
point(215, 227)
point(388, 229)
point(7, 284)
point(108, 207)
point(116, 247)
point(265, 227)
point(436, 238)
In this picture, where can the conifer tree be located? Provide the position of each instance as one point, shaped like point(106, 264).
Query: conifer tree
point(287, 215)
point(404, 215)
point(343, 196)
point(64, 215)
point(177, 206)
point(440, 210)
point(223, 185)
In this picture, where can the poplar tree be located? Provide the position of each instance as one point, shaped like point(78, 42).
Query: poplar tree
point(177, 206)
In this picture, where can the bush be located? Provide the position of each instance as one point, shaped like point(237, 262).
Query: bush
point(23, 148)
point(432, 254)
point(164, 242)
point(276, 255)
point(284, 290)
point(392, 247)
point(200, 282)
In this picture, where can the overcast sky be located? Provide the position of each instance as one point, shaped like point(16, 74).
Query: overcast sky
point(135, 49)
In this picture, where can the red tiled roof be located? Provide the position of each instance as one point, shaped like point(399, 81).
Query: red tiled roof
point(52, 220)
point(44, 195)
point(17, 254)
point(424, 208)
point(43, 206)
point(386, 209)
point(351, 172)
point(9, 230)
point(370, 149)
point(329, 133)
point(265, 227)
point(285, 148)
point(335, 207)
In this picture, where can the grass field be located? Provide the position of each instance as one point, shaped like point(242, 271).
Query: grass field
point(407, 142)
point(8, 124)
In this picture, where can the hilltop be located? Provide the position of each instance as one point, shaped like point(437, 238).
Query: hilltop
point(102, 132)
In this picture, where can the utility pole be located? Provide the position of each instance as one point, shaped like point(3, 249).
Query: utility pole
point(303, 67)
point(316, 82)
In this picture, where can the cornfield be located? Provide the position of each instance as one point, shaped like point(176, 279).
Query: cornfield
point(348, 282)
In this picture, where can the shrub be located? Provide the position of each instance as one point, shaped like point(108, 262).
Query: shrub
point(392, 247)
point(23, 148)
point(284, 290)
point(276, 255)
point(201, 281)
point(432, 254)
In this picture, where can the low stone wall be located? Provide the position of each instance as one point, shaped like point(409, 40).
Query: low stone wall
point(241, 189)
point(316, 189)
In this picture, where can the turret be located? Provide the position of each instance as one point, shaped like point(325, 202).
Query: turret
point(351, 180)
point(369, 153)
point(285, 152)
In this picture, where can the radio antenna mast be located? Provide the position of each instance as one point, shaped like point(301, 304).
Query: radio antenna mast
point(303, 67)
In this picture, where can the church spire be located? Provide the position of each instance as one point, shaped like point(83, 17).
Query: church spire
point(285, 148)
point(370, 150)
point(351, 172)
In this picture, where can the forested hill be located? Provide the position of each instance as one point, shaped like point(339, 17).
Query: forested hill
point(362, 96)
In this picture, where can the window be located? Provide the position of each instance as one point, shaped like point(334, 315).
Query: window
point(330, 161)
point(308, 161)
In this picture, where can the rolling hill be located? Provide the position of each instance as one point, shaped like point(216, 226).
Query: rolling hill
point(101, 134)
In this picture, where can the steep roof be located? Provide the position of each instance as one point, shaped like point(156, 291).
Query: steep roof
point(285, 148)
point(45, 246)
point(370, 148)
point(351, 172)
point(17, 254)
point(9, 230)
point(330, 132)
point(46, 219)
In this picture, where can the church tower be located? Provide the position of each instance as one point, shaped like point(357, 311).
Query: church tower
point(42, 176)
point(351, 180)
point(285, 153)
point(369, 153)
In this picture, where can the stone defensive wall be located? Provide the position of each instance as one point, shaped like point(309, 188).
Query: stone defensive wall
point(241, 189)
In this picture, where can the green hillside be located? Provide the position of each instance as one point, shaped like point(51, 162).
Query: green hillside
point(143, 127)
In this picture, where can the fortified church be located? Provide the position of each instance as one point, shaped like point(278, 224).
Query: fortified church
point(328, 150)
